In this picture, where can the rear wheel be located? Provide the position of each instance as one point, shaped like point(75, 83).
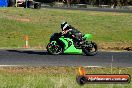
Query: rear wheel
point(90, 49)
point(54, 49)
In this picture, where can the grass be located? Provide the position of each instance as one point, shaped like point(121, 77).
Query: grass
point(53, 77)
point(108, 28)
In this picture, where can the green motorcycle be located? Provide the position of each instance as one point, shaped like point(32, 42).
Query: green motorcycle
point(62, 45)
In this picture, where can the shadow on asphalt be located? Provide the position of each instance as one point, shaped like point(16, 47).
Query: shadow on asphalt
point(36, 52)
point(30, 52)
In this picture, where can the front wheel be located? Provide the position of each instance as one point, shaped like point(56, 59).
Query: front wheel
point(90, 49)
point(54, 49)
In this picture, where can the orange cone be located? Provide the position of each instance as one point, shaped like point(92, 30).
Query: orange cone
point(26, 41)
point(81, 71)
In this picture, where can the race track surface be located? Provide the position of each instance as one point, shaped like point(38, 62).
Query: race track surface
point(94, 9)
point(42, 58)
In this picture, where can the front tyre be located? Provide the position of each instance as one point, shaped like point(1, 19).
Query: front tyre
point(90, 49)
point(54, 49)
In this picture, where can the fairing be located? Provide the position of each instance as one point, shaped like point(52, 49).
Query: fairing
point(69, 48)
point(68, 43)
point(87, 36)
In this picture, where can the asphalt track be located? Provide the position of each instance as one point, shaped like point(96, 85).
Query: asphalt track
point(42, 58)
point(93, 9)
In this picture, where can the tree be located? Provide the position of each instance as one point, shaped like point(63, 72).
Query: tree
point(45, 1)
point(91, 2)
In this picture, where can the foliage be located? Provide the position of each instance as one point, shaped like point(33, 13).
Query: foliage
point(45, 1)
point(95, 2)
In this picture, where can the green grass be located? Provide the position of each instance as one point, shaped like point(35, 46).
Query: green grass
point(53, 77)
point(106, 27)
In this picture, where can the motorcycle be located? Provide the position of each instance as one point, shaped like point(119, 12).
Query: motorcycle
point(59, 44)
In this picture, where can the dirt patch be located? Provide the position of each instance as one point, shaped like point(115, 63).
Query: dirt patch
point(16, 17)
point(115, 46)
point(23, 20)
point(62, 70)
point(30, 70)
point(106, 14)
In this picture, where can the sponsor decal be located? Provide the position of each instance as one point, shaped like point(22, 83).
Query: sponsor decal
point(84, 78)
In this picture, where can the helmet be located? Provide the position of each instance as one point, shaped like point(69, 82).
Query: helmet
point(64, 26)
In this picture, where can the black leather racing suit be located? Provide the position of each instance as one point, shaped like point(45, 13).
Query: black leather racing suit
point(74, 34)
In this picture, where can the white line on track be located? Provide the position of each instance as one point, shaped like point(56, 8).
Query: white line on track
point(91, 66)
point(11, 65)
point(42, 66)
point(27, 65)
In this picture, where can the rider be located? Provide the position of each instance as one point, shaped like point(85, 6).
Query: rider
point(71, 32)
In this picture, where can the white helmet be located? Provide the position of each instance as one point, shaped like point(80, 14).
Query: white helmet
point(64, 25)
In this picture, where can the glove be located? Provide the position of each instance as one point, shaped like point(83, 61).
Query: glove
point(60, 33)
point(73, 35)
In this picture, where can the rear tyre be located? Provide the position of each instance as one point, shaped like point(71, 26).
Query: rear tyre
point(54, 49)
point(90, 49)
